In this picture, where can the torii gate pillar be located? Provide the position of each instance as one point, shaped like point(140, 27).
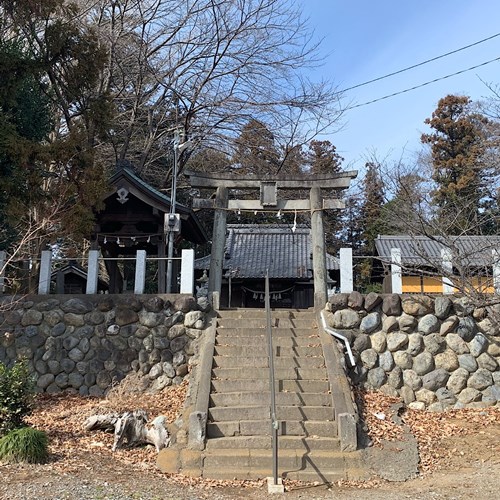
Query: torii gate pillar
point(218, 242)
point(318, 248)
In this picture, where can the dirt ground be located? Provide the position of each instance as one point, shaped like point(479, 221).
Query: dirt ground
point(459, 451)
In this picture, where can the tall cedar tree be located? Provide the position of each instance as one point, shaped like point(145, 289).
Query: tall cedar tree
point(371, 222)
point(322, 158)
point(404, 214)
point(351, 230)
point(372, 206)
point(256, 152)
point(457, 145)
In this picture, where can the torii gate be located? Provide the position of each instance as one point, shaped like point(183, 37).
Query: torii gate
point(269, 201)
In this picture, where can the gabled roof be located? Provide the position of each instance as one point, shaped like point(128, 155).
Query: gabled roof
point(125, 178)
point(251, 249)
point(73, 268)
point(472, 251)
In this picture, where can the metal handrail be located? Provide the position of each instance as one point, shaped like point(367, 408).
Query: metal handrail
point(274, 421)
point(341, 337)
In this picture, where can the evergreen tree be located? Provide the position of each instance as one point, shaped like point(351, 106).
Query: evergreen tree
point(405, 212)
point(350, 234)
point(322, 158)
point(458, 144)
point(292, 160)
point(256, 152)
point(372, 206)
point(24, 123)
point(369, 226)
point(53, 119)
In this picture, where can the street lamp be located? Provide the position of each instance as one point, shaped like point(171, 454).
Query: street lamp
point(173, 220)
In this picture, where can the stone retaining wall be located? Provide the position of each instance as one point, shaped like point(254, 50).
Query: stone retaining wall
point(434, 353)
point(88, 343)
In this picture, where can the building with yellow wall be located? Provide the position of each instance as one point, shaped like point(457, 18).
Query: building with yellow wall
point(426, 263)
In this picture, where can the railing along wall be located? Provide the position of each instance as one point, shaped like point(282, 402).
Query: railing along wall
point(46, 269)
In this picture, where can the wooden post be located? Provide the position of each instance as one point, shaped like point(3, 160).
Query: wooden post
point(318, 249)
point(346, 274)
point(45, 271)
point(92, 272)
point(140, 272)
point(115, 275)
point(187, 271)
point(218, 241)
point(60, 283)
point(396, 274)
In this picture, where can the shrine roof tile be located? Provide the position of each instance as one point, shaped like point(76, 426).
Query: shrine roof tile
point(251, 249)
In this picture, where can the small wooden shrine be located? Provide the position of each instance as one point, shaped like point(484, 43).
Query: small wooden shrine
point(280, 250)
point(72, 278)
point(134, 218)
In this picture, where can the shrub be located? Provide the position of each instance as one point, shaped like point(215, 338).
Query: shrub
point(24, 445)
point(16, 395)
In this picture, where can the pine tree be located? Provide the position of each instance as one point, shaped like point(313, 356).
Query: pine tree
point(405, 212)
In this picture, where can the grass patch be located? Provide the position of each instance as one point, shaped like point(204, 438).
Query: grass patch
point(24, 445)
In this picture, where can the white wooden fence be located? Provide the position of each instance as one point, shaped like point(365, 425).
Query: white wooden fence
point(187, 272)
point(346, 271)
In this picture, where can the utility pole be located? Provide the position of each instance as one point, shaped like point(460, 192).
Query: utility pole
point(173, 220)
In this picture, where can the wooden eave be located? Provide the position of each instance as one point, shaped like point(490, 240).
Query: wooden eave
point(124, 178)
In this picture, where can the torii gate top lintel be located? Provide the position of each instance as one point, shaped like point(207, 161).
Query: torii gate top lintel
point(337, 180)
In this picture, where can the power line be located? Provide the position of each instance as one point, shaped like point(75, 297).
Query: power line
point(427, 61)
point(422, 84)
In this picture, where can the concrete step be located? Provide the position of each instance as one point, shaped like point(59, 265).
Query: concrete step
point(260, 341)
point(288, 460)
point(279, 373)
point(231, 413)
point(261, 313)
point(242, 385)
point(262, 332)
point(263, 362)
point(298, 443)
point(264, 398)
point(279, 351)
point(263, 428)
point(254, 473)
point(352, 472)
point(256, 323)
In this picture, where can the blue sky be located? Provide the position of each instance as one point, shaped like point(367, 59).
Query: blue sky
point(366, 39)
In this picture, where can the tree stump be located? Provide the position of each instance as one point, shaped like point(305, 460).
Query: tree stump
point(131, 429)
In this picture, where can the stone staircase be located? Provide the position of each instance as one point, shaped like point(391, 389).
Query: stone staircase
point(239, 429)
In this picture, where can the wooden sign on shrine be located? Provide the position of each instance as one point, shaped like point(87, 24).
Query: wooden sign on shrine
point(269, 200)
